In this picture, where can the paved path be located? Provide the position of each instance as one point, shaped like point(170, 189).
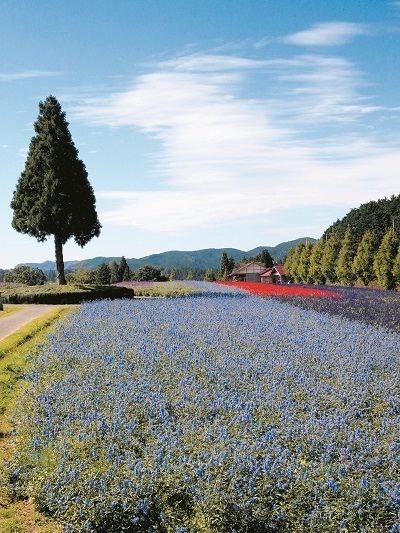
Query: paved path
point(11, 324)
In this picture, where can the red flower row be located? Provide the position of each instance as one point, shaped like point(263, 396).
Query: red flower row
point(273, 289)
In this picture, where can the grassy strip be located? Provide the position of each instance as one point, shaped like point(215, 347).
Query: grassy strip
point(164, 289)
point(20, 516)
point(9, 309)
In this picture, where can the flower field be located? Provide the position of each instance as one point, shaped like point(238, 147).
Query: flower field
point(371, 306)
point(212, 414)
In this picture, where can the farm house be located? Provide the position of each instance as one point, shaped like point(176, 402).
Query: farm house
point(257, 272)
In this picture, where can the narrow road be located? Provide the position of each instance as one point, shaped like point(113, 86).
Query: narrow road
point(11, 324)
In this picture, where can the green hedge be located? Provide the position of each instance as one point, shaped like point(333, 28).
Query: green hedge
point(67, 294)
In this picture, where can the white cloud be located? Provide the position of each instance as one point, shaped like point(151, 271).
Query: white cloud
point(27, 74)
point(327, 34)
point(225, 157)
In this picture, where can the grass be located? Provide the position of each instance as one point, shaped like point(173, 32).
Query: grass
point(20, 516)
point(159, 289)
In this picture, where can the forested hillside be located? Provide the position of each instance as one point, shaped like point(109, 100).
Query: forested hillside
point(363, 248)
point(376, 216)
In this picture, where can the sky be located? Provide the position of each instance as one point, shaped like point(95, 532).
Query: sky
point(205, 123)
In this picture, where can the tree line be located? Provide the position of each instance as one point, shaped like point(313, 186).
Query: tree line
point(366, 260)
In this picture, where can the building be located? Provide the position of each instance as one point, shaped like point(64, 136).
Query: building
point(259, 273)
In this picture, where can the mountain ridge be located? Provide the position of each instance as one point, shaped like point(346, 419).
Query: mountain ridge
point(203, 258)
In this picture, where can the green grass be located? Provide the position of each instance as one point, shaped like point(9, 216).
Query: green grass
point(162, 289)
point(20, 516)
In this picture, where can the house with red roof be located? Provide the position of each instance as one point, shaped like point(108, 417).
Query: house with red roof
point(259, 273)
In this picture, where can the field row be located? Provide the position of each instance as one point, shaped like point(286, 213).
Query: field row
point(213, 414)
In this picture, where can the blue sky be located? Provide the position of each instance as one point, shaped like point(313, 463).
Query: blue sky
point(209, 123)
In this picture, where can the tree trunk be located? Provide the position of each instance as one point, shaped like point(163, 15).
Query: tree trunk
point(60, 276)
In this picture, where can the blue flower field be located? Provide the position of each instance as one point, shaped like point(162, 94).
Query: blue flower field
point(216, 413)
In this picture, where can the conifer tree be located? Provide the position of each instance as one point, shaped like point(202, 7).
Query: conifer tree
point(303, 269)
point(315, 262)
point(114, 272)
point(172, 275)
point(265, 258)
point(385, 259)
point(224, 265)
point(124, 272)
point(363, 263)
point(396, 269)
point(289, 264)
point(103, 274)
point(329, 258)
point(344, 266)
point(53, 195)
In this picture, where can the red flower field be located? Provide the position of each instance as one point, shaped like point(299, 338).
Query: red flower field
point(273, 289)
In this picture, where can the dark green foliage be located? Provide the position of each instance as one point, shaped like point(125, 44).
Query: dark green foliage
point(265, 258)
point(53, 195)
point(114, 274)
point(224, 266)
point(103, 274)
point(124, 272)
point(376, 216)
point(26, 275)
point(148, 273)
point(52, 294)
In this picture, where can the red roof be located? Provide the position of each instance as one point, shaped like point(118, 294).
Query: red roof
point(276, 269)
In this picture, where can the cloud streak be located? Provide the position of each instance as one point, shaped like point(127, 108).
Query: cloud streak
point(229, 156)
point(327, 34)
point(25, 75)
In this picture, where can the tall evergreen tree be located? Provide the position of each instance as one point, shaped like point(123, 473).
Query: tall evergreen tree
point(124, 272)
point(303, 269)
point(396, 269)
point(224, 265)
point(329, 258)
point(385, 259)
point(315, 262)
point(363, 263)
point(265, 258)
point(344, 266)
point(53, 195)
point(289, 264)
point(103, 274)
point(114, 275)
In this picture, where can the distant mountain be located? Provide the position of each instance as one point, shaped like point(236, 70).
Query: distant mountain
point(207, 258)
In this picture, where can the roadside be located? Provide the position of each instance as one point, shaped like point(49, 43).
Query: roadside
point(12, 323)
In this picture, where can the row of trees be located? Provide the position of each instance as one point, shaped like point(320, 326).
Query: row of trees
point(347, 261)
point(24, 274)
